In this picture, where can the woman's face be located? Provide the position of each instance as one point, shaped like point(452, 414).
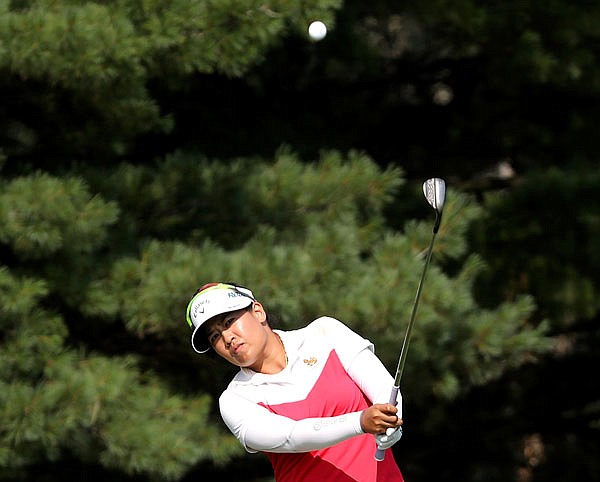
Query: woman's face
point(240, 336)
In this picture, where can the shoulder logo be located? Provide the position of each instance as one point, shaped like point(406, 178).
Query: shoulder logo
point(310, 361)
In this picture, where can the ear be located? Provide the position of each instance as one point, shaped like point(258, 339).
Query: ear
point(259, 312)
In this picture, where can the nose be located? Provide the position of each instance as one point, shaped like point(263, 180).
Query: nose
point(228, 337)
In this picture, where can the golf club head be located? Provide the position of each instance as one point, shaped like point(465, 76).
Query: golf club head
point(434, 190)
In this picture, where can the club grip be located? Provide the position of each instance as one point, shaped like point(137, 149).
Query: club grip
point(380, 453)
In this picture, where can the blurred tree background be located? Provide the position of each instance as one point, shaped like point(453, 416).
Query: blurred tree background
point(148, 147)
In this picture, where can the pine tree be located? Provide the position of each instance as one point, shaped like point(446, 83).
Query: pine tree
point(100, 252)
point(63, 397)
point(86, 68)
point(310, 239)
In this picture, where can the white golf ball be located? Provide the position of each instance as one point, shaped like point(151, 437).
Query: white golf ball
point(317, 30)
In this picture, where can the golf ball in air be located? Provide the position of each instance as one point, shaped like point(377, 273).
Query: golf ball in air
point(317, 30)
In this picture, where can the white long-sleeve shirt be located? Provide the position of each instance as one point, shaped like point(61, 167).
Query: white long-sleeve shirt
point(312, 408)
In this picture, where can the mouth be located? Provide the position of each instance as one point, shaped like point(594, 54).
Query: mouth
point(236, 349)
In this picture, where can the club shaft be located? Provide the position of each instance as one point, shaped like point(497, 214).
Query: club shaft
point(406, 341)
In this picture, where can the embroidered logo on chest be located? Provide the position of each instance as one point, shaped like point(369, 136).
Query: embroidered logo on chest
point(310, 361)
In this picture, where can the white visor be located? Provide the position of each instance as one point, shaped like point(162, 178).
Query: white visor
point(212, 301)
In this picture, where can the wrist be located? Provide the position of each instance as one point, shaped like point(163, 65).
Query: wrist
point(360, 425)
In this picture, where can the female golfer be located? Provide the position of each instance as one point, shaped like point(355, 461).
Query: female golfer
point(313, 399)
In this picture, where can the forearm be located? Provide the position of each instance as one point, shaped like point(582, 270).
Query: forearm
point(258, 429)
point(373, 379)
point(303, 435)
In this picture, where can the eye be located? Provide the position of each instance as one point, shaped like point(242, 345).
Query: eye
point(212, 338)
point(227, 322)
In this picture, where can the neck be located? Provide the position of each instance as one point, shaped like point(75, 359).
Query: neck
point(275, 359)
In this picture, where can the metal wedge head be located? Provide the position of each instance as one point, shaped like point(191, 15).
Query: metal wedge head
point(435, 193)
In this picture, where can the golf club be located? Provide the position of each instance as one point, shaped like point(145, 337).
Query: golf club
point(434, 190)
